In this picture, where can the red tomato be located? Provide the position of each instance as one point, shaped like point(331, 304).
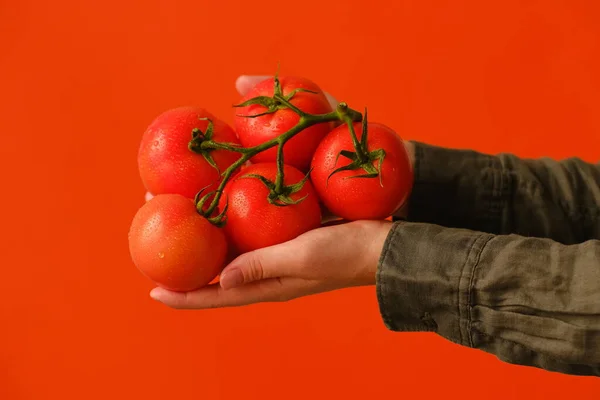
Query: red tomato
point(362, 198)
point(166, 164)
point(253, 223)
point(253, 131)
point(174, 246)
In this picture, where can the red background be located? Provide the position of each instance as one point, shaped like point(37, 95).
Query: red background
point(81, 80)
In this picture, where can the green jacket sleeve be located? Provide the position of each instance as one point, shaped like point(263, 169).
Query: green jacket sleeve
point(529, 301)
point(505, 194)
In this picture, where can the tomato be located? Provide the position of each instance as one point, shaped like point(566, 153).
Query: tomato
point(253, 223)
point(174, 246)
point(166, 164)
point(362, 198)
point(298, 151)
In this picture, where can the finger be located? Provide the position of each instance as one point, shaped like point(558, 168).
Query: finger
point(269, 262)
point(214, 296)
point(332, 100)
point(244, 83)
point(148, 196)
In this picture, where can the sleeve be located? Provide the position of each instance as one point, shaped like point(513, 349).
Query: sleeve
point(505, 194)
point(528, 301)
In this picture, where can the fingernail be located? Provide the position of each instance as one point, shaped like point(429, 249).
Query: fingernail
point(255, 77)
point(155, 294)
point(232, 278)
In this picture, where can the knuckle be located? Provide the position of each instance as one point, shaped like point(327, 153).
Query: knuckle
point(303, 257)
point(255, 270)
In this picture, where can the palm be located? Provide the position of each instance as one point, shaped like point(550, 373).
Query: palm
point(324, 259)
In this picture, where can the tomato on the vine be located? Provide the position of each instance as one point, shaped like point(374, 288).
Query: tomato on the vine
point(253, 222)
point(165, 162)
point(174, 246)
point(351, 197)
point(253, 131)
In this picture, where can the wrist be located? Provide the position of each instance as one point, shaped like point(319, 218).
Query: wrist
point(376, 233)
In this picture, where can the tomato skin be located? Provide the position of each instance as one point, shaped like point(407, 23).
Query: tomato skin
point(298, 151)
point(253, 223)
point(166, 165)
point(174, 246)
point(362, 198)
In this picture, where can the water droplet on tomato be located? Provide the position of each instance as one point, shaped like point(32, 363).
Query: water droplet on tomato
point(161, 255)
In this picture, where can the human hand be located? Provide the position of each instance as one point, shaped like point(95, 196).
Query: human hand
point(329, 258)
point(321, 260)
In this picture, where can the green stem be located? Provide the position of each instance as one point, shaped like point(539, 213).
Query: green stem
point(289, 105)
point(342, 113)
point(210, 145)
point(357, 146)
point(279, 177)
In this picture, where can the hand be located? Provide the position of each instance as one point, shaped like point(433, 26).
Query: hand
point(325, 259)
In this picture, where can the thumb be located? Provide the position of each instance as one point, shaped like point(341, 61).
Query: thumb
point(244, 83)
point(255, 266)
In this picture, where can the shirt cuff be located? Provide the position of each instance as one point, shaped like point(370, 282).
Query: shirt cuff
point(425, 277)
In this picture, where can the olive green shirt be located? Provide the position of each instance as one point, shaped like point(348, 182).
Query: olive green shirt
point(501, 254)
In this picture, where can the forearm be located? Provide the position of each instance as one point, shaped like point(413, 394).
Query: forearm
point(505, 194)
point(528, 301)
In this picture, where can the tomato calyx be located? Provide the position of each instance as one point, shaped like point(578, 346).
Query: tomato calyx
point(281, 197)
point(198, 138)
point(361, 157)
point(202, 143)
point(278, 102)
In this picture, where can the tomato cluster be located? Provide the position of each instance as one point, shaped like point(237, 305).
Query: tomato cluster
point(220, 191)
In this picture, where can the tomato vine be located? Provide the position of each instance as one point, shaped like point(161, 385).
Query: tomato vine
point(279, 194)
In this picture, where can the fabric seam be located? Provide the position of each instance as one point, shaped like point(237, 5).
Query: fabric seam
point(382, 292)
point(487, 239)
point(458, 291)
